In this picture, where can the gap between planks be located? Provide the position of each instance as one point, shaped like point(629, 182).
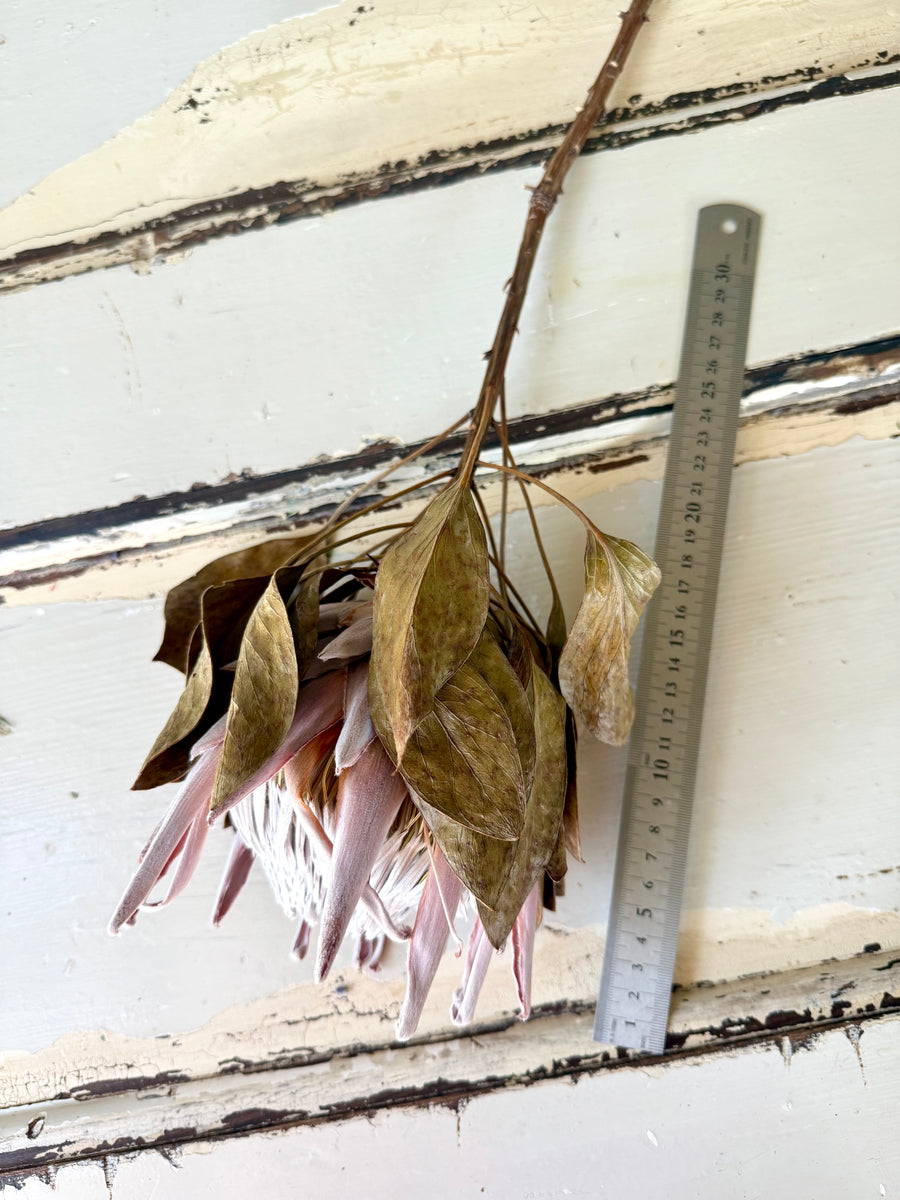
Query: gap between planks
point(791, 1008)
point(178, 232)
point(789, 407)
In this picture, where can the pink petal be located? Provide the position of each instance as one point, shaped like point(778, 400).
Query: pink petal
point(187, 862)
point(368, 953)
point(332, 614)
point(301, 941)
point(212, 739)
point(478, 958)
point(319, 705)
point(370, 899)
point(358, 730)
point(523, 946)
point(191, 801)
point(369, 796)
point(429, 937)
point(299, 770)
point(240, 860)
point(352, 642)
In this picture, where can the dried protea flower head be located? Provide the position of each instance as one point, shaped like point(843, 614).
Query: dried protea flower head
point(386, 742)
point(392, 732)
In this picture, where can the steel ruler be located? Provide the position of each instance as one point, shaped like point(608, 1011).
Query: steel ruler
point(638, 963)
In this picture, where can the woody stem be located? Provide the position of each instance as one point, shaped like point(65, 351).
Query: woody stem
point(543, 199)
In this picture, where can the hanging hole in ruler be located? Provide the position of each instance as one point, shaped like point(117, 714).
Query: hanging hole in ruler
point(729, 225)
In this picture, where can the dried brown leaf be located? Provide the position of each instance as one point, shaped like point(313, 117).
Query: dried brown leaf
point(540, 835)
point(482, 863)
point(182, 611)
point(593, 667)
point(570, 812)
point(278, 643)
point(431, 602)
point(496, 670)
point(225, 610)
point(463, 759)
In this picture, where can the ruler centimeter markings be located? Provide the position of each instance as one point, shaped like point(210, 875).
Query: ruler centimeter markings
point(639, 958)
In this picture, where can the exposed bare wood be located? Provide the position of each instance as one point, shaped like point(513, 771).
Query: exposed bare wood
point(789, 407)
point(791, 1008)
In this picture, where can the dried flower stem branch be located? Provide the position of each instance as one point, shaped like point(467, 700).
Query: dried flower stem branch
point(543, 199)
point(545, 487)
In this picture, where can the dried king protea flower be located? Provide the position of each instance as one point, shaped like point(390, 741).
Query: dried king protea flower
point(384, 756)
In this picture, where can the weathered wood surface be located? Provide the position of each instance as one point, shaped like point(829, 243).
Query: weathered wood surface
point(261, 354)
point(147, 545)
point(275, 369)
point(794, 852)
point(782, 1119)
point(359, 99)
point(361, 1079)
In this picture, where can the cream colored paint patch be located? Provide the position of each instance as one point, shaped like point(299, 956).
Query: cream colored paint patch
point(334, 96)
point(744, 1125)
point(310, 1018)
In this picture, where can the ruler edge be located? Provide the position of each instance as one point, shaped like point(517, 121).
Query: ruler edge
point(657, 1020)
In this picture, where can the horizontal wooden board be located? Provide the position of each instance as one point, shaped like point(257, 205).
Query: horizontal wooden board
point(358, 97)
point(769, 1123)
point(112, 62)
point(367, 1080)
point(143, 547)
point(263, 354)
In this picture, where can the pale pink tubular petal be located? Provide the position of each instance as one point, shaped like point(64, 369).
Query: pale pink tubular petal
point(187, 862)
point(301, 940)
point(364, 949)
point(358, 729)
point(369, 797)
point(523, 947)
point(334, 612)
point(370, 899)
point(240, 860)
point(368, 953)
point(319, 705)
point(429, 937)
point(190, 802)
point(478, 958)
point(212, 739)
point(352, 642)
point(299, 770)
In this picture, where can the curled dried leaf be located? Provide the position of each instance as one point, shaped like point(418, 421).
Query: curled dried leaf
point(278, 643)
point(431, 602)
point(225, 610)
point(593, 667)
point(182, 611)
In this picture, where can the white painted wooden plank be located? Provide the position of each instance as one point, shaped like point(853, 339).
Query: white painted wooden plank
point(75, 72)
point(787, 1008)
point(795, 849)
point(756, 1125)
point(265, 352)
point(811, 404)
point(336, 95)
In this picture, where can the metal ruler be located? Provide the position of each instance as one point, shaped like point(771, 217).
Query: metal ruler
point(636, 983)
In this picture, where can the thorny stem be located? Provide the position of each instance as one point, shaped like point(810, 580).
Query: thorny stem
point(543, 199)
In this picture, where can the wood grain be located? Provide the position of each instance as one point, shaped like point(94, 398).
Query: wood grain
point(358, 99)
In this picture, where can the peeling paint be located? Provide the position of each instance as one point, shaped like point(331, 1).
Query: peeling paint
point(281, 103)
